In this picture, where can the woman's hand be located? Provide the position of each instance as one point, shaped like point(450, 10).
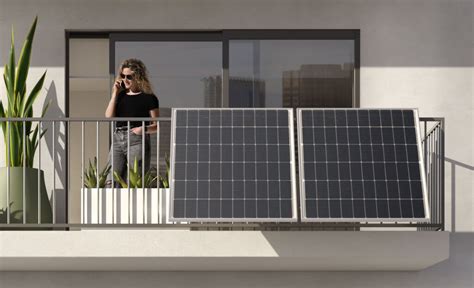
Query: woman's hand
point(137, 130)
point(116, 88)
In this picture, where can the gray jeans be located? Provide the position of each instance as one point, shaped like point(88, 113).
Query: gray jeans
point(124, 149)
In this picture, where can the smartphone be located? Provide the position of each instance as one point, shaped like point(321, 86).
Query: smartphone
point(122, 84)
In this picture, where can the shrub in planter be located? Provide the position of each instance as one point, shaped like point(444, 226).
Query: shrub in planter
point(126, 205)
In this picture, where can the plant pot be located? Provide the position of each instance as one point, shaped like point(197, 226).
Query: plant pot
point(31, 196)
point(124, 206)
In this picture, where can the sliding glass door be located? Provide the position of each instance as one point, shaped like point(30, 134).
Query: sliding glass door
point(246, 68)
point(243, 68)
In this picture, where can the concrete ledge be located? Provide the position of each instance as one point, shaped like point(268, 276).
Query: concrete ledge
point(182, 250)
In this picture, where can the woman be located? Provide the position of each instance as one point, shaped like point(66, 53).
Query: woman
point(132, 97)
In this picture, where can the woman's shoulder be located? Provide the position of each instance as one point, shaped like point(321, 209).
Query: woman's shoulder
point(150, 95)
point(153, 100)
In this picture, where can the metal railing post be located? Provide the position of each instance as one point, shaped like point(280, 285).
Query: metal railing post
point(143, 173)
point(39, 172)
point(54, 171)
point(112, 169)
point(442, 191)
point(84, 216)
point(99, 210)
point(128, 171)
point(68, 176)
point(24, 171)
point(9, 128)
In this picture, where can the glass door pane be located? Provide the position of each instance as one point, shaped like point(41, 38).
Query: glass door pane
point(291, 73)
point(182, 73)
point(178, 70)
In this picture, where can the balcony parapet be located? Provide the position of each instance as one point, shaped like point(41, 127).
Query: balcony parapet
point(185, 250)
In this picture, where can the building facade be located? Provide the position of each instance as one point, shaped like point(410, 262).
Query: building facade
point(413, 54)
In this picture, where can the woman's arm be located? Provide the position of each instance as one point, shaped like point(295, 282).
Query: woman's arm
point(155, 113)
point(150, 129)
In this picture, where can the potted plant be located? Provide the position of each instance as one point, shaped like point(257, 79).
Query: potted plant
point(21, 141)
point(93, 188)
point(138, 203)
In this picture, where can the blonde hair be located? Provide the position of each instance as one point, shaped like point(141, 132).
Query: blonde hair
point(140, 74)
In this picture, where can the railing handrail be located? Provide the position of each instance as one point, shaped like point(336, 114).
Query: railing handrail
point(439, 119)
point(431, 118)
point(86, 119)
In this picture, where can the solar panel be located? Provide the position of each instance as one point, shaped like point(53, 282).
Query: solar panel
point(233, 165)
point(361, 165)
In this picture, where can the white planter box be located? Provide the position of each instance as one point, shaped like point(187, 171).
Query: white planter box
point(124, 206)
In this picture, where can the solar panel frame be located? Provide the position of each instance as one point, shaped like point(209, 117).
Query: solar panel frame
point(301, 162)
point(292, 163)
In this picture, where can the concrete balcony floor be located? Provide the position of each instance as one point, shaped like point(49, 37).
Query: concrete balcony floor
point(184, 250)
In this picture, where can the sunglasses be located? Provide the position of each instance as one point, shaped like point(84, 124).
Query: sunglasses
point(129, 76)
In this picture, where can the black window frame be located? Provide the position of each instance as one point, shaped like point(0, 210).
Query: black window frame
point(224, 36)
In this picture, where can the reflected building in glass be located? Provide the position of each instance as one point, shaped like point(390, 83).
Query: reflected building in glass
point(243, 92)
point(317, 85)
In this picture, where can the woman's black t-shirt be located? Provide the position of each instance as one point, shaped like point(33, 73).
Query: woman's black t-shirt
point(132, 106)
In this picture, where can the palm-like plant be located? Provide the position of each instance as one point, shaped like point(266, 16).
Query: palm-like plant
point(136, 181)
point(164, 180)
point(90, 175)
point(20, 135)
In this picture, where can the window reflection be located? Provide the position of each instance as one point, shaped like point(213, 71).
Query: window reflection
point(291, 73)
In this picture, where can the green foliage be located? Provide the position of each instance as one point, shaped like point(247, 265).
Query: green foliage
point(90, 175)
point(22, 137)
point(164, 180)
point(136, 181)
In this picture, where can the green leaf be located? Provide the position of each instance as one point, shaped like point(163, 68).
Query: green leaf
point(15, 152)
point(10, 72)
point(8, 82)
point(2, 115)
point(120, 180)
point(24, 61)
point(29, 151)
point(133, 180)
point(33, 142)
point(26, 106)
point(135, 165)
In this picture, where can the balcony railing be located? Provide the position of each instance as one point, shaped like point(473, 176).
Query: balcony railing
point(433, 153)
point(68, 146)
